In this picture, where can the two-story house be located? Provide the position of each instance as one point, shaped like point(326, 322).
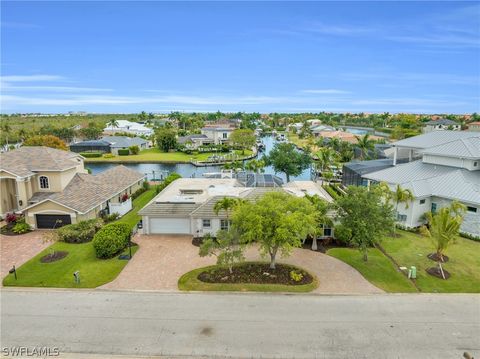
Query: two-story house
point(52, 188)
point(448, 170)
point(210, 134)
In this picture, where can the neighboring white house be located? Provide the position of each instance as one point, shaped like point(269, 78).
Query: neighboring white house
point(449, 170)
point(441, 124)
point(186, 205)
point(134, 128)
point(219, 134)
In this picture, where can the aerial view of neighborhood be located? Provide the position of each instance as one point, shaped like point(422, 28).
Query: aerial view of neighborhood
point(240, 179)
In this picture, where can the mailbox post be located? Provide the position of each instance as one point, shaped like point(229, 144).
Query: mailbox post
point(13, 271)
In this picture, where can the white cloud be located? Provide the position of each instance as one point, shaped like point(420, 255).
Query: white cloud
point(30, 78)
point(7, 87)
point(326, 91)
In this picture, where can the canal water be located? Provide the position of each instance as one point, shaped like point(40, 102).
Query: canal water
point(161, 170)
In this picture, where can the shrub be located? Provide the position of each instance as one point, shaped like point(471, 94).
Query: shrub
point(108, 155)
point(296, 276)
point(171, 177)
point(123, 152)
point(134, 150)
point(91, 154)
point(11, 218)
point(111, 239)
point(21, 227)
point(110, 217)
point(80, 232)
point(124, 197)
point(470, 236)
point(138, 192)
point(331, 192)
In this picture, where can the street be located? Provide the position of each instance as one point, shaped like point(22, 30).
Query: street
point(242, 325)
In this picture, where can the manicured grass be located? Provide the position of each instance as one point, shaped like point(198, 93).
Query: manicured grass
point(93, 272)
point(464, 264)
point(378, 270)
point(190, 282)
point(132, 218)
point(155, 155)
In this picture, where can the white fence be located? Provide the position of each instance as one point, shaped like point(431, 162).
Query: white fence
point(120, 208)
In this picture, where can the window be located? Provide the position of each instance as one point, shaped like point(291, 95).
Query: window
point(472, 209)
point(475, 164)
point(44, 182)
point(225, 135)
point(327, 232)
point(402, 217)
point(422, 201)
point(433, 208)
point(224, 225)
point(206, 223)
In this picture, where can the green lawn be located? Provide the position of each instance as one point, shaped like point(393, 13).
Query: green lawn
point(411, 249)
point(378, 270)
point(155, 155)
point(190, 282)
point(464, 265)
point(93, 272)
point(132, 218)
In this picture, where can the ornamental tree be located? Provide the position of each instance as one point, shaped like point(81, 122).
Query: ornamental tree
point(47, 140)
point(277, 222)
point(364, 216)
point(243, 138)
point(284, 157)
point(166, 138)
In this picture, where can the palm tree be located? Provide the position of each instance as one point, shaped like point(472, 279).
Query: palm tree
point(6, 129)
point(256, 166)
point(22, 134)
point(398, 196)
point(365, 144)
point(112, 123)
point(326, 156)
point(443, 228)
point(225, 204)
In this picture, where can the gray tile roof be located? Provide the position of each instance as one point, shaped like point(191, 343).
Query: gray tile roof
point(462, 148)
point(24, 161)
point(425, 179)
point(434, 138)
point(85, 191)
point(168, 209)
point(185, 139)
point(442, 121)
point(124, 141)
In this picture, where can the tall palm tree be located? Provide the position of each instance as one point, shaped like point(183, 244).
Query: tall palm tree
point(444, 226)
point(112, 123)
point(256, 166)
point(365, 144)
point(401, 195)
point(226, 204)
point(326, 156)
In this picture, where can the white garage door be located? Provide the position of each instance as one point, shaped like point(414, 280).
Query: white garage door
point(169, 225)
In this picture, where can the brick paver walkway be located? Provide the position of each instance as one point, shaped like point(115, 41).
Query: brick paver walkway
point(162, 259)
point(16, 250)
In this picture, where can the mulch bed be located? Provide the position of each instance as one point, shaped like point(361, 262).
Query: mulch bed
point(323, 245)
point(435, 257)
point(197, 241)
point(7, 230)
point(435, 271)
point(53, 257)
point(257, 273)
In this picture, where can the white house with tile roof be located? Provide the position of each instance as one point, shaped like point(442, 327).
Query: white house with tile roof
point(52, 188)
point(449, 170)
point(186, 205)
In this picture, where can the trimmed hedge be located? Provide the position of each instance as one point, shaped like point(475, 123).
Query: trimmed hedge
point(171, 177)
point(123, 152)
point(111, 239)
point(80, 232)
point(91, 154)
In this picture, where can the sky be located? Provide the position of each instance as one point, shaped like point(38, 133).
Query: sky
point(117, 57)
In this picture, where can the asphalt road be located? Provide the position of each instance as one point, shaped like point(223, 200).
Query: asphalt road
point(242, 325)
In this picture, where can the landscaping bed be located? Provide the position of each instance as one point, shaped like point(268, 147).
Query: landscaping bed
point(249, 276)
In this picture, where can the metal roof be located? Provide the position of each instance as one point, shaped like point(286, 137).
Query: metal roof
point(425, 179)
point(461, 148)
point(434, 138)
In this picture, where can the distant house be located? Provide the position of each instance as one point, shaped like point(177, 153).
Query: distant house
point(441, 124)
point(51, 187)
point(474, 126)
point(126, 126)
point(109, 144)
point(219, 134)
point(194, 141)
point(318, 129)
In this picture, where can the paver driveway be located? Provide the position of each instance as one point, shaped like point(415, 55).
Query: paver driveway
point(162, 259)
point(16, 250)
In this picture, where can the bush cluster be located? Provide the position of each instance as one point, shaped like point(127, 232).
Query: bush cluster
point(138, 192)
point(108, 155)
point(21, 226)
point(80, 232)
point(134, 150)
point(123, 152)
point(470, 236)
point(171, 177)
point(111, 239)
point(91, 154)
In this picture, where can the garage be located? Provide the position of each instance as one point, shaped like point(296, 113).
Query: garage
point(52, 220)
point(169, 225)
